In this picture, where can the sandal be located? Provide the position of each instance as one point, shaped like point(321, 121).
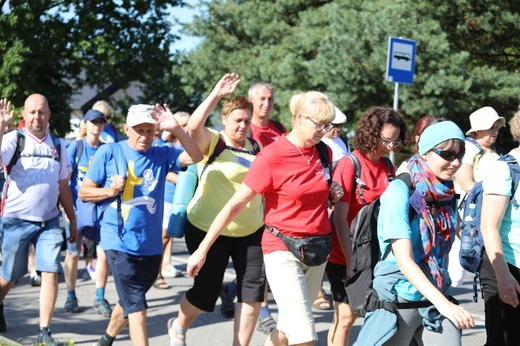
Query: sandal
point(266, 325)
point(160, 283)
point(176, 339)
point(322, 302)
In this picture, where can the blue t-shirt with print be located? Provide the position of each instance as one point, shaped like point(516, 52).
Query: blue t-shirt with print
point(79, 165)
point(142, 198)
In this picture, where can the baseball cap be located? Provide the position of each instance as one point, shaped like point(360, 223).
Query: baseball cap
point(93, 114)
point(140, 114)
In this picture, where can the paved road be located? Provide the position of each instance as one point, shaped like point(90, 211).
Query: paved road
point(21, 312)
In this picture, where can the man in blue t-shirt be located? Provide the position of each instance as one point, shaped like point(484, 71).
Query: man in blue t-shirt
point(133, 247)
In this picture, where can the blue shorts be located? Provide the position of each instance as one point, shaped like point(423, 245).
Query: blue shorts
point(133, 277)
point(17, 235)
point(72, 248)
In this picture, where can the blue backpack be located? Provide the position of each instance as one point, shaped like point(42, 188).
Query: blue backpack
point(472, 244)
point(88, 214)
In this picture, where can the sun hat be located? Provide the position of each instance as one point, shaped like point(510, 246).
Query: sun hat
point(92, 115)
point(140, 114)
point(340, 117)
point(438, 133)
point(483, 119)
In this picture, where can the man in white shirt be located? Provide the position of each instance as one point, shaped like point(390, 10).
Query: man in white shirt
point(332, 138)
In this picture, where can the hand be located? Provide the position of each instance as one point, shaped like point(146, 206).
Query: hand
point(6, 116)
point(335, 192)
point(456, 314)
point(195, 263)
point(509, 289)
point(118, 184)
point(74, 234)
point(227, 84)
point(165, 119)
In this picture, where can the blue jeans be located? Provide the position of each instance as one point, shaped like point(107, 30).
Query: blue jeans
point(17, 235)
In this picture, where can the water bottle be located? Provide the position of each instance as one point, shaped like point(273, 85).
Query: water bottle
point(186, 185)
point(468, 232)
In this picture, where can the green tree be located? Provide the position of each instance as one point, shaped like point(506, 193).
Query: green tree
point(54, 47)
point(467, 53)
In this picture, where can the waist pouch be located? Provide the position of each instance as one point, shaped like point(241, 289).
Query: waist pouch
point(312, 251)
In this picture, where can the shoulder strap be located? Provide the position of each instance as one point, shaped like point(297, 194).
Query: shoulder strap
point(279, 126)
point(79, 151)
point(325, 159)
point(390, 167)
point(121, 168)
point(20, 145)
point(475, 143)
point(357, 176)
point(219, 148)
point(57, 144)
point(514, 170)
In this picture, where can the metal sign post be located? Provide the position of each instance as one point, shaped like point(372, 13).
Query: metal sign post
point(400, 66)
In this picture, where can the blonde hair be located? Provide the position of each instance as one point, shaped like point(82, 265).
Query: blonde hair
point(312, 104)
point(82, 131)
point(181, 115)
point(103, 107)
point(514, 126)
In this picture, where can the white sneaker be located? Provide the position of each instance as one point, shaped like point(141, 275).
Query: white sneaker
point(172, 272)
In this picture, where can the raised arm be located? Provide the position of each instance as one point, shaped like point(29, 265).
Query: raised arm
point(167, 122)
point(232, 208)
point(196, 129)
point(6, 117)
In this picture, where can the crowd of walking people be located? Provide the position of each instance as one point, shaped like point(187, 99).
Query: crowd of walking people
point(278, 203)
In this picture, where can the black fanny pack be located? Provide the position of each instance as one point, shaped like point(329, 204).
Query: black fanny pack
point(312, 251)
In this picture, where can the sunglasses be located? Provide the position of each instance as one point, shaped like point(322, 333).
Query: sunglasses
point(321, 126)
point(387, 142)
point(449, 155)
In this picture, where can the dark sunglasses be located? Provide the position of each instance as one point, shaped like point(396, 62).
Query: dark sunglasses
point(449, 155)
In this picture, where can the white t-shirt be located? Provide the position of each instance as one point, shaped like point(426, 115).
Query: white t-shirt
point(34, 189)
point(338, 147)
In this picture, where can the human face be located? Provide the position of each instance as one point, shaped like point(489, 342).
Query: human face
point(236, 125)
point(387, 140)
point(95, 127)
point(36, 113)
point(140, 137)
point(487, 138)
point(311, 130)
point(335, 132)
point(444, 162)
point(263, 101)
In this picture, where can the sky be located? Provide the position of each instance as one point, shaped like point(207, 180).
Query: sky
point(184, 14)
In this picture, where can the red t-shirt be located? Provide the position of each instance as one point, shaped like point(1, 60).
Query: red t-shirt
point(295, 193)
point(267, 134)
point(374, 174)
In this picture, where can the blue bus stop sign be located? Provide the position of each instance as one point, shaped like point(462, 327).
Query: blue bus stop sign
point(400, 64)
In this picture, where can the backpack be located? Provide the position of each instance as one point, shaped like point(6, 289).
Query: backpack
point(20, 146)
point(472, 243)
point(88, 214)
point(187, 182)
point(357, 174)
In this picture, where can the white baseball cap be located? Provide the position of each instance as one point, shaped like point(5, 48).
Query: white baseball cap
point(140, 114)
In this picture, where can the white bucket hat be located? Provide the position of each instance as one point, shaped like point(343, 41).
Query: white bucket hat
point(483, 119)
point(340, 117)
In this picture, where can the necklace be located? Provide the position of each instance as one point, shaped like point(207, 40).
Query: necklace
point(309, 160)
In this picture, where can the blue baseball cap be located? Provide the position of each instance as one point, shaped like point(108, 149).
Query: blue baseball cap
point(93, 115)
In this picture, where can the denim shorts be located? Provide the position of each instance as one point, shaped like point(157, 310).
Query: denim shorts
point(17, 235)
point(133, 277)
point(72, 248)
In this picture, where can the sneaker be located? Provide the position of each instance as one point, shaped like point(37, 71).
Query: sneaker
point(45, 338)
point(103, 307)
point(36, 280)
point(266, 325)
point(71, 305)
point(3, 325)
point(172, 272)
point(89, 273)
point(227, 308)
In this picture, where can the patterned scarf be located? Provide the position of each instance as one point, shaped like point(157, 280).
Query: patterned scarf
point(437, 222)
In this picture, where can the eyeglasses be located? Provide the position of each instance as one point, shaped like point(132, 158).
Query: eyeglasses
point(321, 126)
point(449, 155)
point(387, 142)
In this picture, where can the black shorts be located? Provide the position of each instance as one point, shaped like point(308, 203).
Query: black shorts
point(133, 277)
point(248, 261)
point(336, 273)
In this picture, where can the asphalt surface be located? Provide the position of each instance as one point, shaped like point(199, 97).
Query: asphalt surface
point(85, 328)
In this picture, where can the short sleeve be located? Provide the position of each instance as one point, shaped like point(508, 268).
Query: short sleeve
point(344, 175)
point(471, 152)
point(498, 180)
point(392, 221)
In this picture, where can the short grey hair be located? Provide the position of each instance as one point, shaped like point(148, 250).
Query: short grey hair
point(254, 86)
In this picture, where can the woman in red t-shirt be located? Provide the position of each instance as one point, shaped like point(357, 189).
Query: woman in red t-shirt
point(380, 131)
point(290, 175)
